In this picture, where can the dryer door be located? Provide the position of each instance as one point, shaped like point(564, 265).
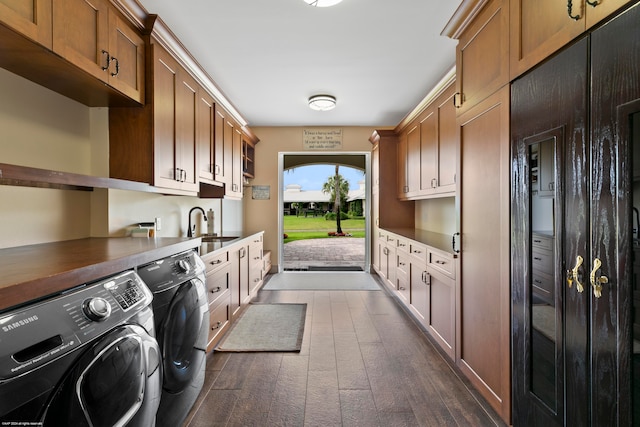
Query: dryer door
point(116, 382)
point(184, 332)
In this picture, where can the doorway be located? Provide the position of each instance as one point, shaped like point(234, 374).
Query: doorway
point(332, 252)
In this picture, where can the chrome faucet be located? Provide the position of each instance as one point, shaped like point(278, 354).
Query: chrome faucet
point(190, 229)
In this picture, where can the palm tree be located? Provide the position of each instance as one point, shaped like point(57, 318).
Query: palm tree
point(338, 189)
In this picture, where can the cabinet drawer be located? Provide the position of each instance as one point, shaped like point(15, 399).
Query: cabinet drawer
point(218, 283)
point(542, 261)
point(402, 263)
point(215, 260)
point(442, 262)
point(543, 287)
point(218, 321)
point(418, 251)
point(403, 288)
point(542, 242)
point(402, 244)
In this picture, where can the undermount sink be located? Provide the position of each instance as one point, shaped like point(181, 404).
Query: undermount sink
point(206, 239)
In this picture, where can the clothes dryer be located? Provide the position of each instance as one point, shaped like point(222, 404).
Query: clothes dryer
point(86, 357)
point(181, 312)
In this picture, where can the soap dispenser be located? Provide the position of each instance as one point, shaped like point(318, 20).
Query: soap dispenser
point(210, 223)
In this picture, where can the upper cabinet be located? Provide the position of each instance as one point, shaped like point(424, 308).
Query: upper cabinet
point(74, 47)
point(482, 55)
point(428, 150)
point(541, 27)
point(29, 18)
point(107, 48)
point(157, 144)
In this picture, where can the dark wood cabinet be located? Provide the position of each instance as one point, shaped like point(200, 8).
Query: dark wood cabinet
point(573, 354)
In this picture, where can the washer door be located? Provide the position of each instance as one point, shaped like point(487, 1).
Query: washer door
point(116, 382)
point(184, 333)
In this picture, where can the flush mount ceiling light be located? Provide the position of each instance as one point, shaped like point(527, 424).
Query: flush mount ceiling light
point(322, 3)
point(322, 102)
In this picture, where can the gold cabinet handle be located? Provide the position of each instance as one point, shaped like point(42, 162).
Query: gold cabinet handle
point(597, 282)
point(573, 275)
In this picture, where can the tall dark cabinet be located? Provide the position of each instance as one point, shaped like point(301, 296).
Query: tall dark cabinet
point(577, 117)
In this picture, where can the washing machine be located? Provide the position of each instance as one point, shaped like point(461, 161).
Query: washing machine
point(86, 357)
point(181, 312)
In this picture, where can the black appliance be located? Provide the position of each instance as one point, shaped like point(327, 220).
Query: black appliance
point(181, 312)
point(86, 357)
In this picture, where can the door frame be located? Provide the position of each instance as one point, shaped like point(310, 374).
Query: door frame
point(329, 154)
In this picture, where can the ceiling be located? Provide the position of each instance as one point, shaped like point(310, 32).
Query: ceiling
point(379, 58)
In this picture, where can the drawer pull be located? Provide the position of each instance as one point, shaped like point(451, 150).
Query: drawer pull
point(537, 258)
point(401, 263)
point(217, 326)
point(256, 280)
point(415, 251)
point(215, 262)
point(256, 258)
point(216, 289)
point(402, 288)
point(440, 262)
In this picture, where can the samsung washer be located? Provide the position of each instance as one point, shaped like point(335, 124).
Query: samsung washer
point(181, 311)
point(87, 357)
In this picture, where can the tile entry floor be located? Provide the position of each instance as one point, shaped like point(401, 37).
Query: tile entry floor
point(364, 362)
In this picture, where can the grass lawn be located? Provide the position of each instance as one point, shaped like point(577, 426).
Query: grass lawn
point(301, 228)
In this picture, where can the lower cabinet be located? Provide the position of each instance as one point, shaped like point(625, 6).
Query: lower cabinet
point(234, 275)
point(218, 282)
point(424, 280)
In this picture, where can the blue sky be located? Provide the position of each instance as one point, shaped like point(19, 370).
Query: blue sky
point(312, 177)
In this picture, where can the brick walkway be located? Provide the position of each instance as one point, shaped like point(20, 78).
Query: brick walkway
point(335, 251)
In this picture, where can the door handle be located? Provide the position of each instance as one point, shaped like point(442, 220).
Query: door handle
point(597, 282)
point(574, 275)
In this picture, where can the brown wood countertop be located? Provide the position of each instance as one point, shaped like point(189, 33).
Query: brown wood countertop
point(29, 273)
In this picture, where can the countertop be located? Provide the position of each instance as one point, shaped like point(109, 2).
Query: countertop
point(36, 271)
point(229, 239)
point(442, 242)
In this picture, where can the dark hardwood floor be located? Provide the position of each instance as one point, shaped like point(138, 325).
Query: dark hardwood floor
point(364, 362)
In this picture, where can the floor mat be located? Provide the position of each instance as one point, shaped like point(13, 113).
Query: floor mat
point(266, 327)
point(322, 281)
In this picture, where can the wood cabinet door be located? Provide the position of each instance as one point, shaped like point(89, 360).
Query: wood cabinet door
point(441, 310)
point(236, 177)
point(419, 291)
point(126, 69)
point(428, 152)
point(413, 166)
point(484, 316)
point(165, 82)
point(205, 124)
point(186, 142)
point(539, 28)
point(482, 55)
point(402, 159)
point(615, 138)
point(81, 34)
point(32, 19)
point(596, 11)
point(220, 169)
point(448, 142)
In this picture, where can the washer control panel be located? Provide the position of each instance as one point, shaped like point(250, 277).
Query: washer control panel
point(37, 334)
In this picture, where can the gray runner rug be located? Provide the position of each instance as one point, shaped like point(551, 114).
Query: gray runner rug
point(266, 327)
point(321, 281)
